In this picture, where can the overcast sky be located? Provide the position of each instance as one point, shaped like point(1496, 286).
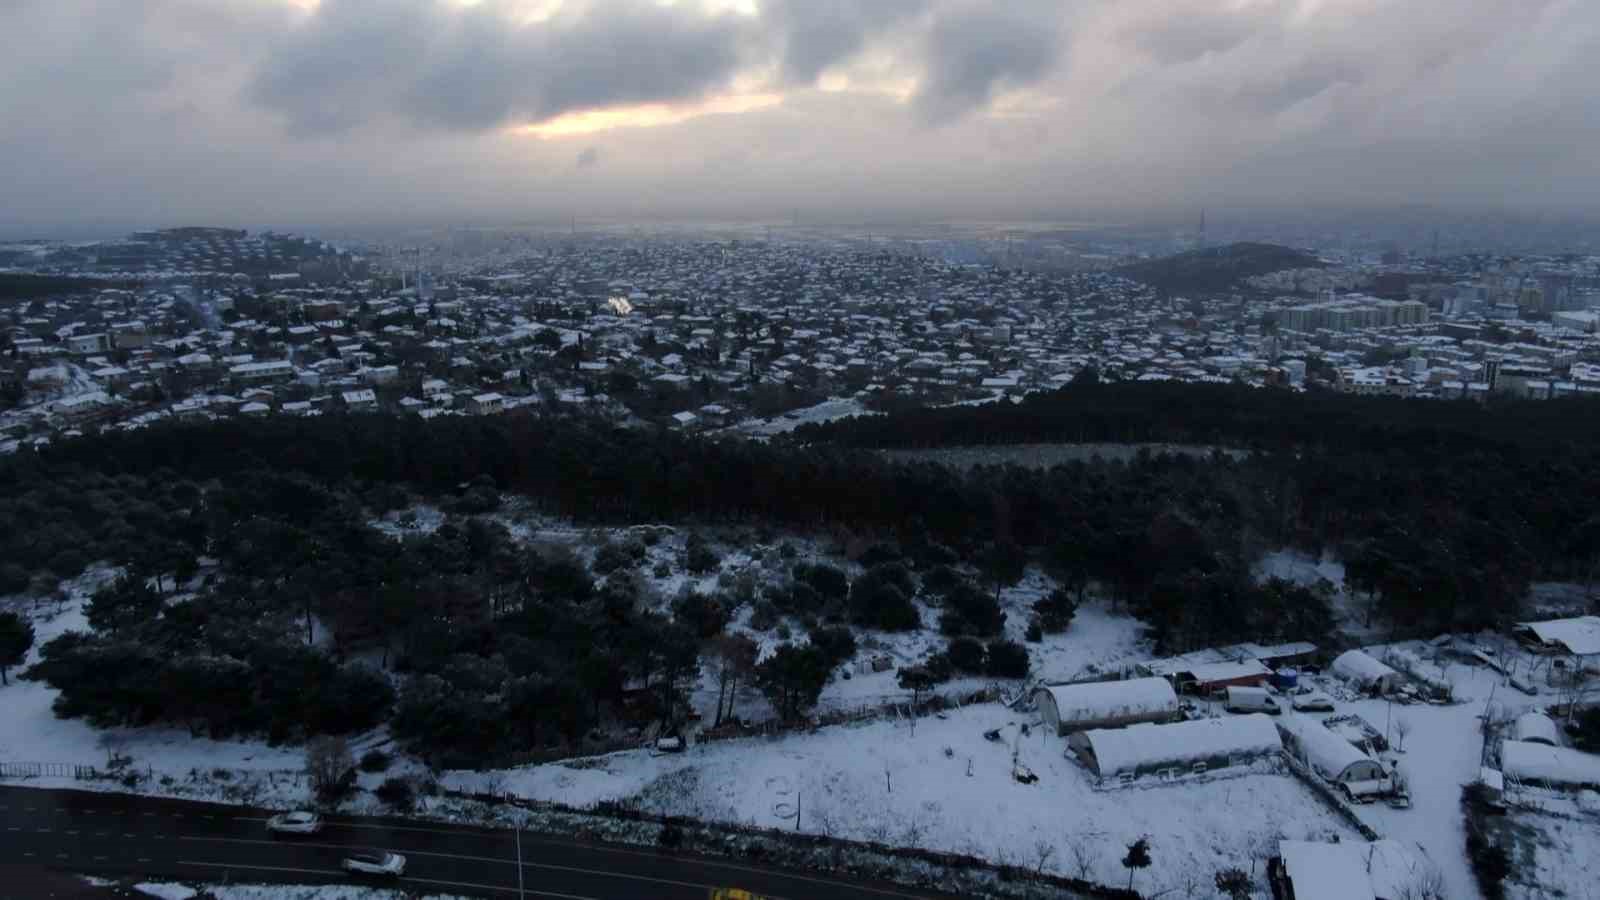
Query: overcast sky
point(347, 111)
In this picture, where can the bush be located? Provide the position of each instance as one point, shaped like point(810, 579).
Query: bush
point(613, 556)
point(882, 605)
point(838, 644)
point(1034, 634)
point(969, 610)
point(670, 838)
point(698, 557)
point(764, 616)
point(375, 761)
point(966, 655)
point(800, 597)
point(828, 582)
point(705, 614)
point(397, 793)
point(880, 553)
point(941, 580)
point(1054, 612)
point(1007, 659)
point(1490, 863)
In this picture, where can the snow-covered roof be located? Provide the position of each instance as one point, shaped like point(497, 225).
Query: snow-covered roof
point(1321, 871)
point(1528, 761)
point(1227, 671)
point(1327, 752)
point(1147, 746)
point(1359, 666)
point(1112, 699)
point(1579, 635)
point(1535, 726)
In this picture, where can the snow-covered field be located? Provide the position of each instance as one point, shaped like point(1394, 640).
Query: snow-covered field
point(826, 411)
point(945, 787)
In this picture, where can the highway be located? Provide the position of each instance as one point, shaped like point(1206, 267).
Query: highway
point(117, 834)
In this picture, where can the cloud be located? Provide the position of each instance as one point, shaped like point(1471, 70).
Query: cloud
point(588, 156)
point(816, 34)
point(440, 65)
point(974, 51)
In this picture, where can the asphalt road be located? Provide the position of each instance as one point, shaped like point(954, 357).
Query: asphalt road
point(116, 834)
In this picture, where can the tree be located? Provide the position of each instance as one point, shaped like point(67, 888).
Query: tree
point(328, 760)
point(917, 680)
point(1003, 564)
point(1137, 857)
point(970, 611)
point(732, 657)
point(1006, 659)
point(966, 654)
point(1402, 727)
point(1055, 610)
point(123, 604)
point(1234, 883)
point(792, 679)
point(16, 638)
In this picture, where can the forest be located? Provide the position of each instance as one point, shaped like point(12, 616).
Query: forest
point(1442, 514)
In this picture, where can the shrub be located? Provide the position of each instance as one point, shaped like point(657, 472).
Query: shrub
point(663, 569)
point(1007, 659)
point(969, 610)
point(880, 553)
point(375, 761)
point(966, 655)
point(1034, 634)
point(764, 616)
point(397, 793)
point(613, 556)
point(941, 580)
point(839, 644)
point(800, 597)
point(1490, 863)
point(705, 614)
point(882, 605)
point(1054, 611)
point(698, 557)
point(670, 838)
point(828, 582)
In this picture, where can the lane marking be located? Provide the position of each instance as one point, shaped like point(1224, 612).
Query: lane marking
point(143, 859)
point(504, 890)
point(99, 857)
point(71, 832)
point(149, 815)
point(211, 865)
point(489, 859)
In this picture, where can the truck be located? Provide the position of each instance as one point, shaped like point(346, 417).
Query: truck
point(1250, 700)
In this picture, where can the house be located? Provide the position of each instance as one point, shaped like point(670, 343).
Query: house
point(1211, 678)
point(1194, 746)
point(270, 371)
point(1578, 636)
point(1349, 870)
point(1106, 704)
point(1330, 756)
point(361, 400)
point(486, 404)
point(1556, 767)
point(685, 421)
point(1366, 672)
point(84, 344)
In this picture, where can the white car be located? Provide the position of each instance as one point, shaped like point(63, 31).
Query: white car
point(1312, 701)
point(376, 863)
point(297, 822)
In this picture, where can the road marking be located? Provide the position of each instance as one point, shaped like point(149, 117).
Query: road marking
point(489, 859)
point(211, 865)
point(129, 834)
point(99, 857)
point(143, 859)
point(14, 828)
point(42, 830)
point(61, 856)
point(71, 832)
point(27, 853)
point(149, 815)
point(102, 834)
point(504, 890)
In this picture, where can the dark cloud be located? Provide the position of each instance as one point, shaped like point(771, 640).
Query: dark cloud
point(435, 64)
point(816, 34)
point(588, 156)
point(974, 51)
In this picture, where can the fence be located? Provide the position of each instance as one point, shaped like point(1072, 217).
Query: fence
point(932, 704)
point(1330, 797)
point(46, 770)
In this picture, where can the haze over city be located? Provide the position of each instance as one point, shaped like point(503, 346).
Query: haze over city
point(344, 111)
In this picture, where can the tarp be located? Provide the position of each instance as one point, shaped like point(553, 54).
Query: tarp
point(1150, 746)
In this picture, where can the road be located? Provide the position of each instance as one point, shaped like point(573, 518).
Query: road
point(117, 834)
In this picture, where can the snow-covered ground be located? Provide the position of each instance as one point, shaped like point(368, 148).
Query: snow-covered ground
point(826, 411)
point(945, 787)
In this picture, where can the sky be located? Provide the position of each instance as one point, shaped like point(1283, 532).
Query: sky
point(158, 112)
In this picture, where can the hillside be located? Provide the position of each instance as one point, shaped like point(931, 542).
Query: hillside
point(1218, 268)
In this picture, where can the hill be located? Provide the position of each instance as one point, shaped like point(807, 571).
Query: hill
point(1218, 268)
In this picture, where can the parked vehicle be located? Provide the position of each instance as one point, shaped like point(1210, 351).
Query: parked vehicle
point(1311, 700)
point(298, 822)
point(1250, 700)
point(380, 862)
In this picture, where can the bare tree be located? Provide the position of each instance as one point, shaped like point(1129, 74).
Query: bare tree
point(1085, 855)
point(1043, 852)
point(328, 759)
point(1402, 727)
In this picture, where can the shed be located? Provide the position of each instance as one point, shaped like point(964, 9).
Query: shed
point(1106, 704)
point(1535, 728)
point(1208, 678)
point(1312, 870)
point(1579, 636)
point(1364, 670)
point(1553, 766)
point(1328, 754)
point(1188, 746)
